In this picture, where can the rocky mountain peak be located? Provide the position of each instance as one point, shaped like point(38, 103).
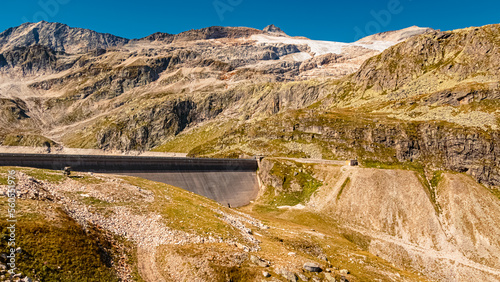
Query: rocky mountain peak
point(213, 32)
point(273, 29)
point(58, 37)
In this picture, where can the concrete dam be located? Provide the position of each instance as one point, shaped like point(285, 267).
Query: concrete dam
point(227, 181)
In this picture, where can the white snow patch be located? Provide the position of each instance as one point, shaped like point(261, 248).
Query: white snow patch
point(320, 47)
point(376, 45)
point(298, 57)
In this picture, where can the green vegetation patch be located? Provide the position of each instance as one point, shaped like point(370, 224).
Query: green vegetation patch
point(344, 185)
point(495, 191)
point(58, 250)
point(85, 179)
point(436, 178)
point(30, 140)
point(186, 142)
point(415, 166)
point(298, 184)
point(53, 176)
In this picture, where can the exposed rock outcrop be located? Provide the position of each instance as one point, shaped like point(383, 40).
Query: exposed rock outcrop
point(428, 63)
point(213, 32)
point(58, 37)
point(33, 59)
point(274, 30)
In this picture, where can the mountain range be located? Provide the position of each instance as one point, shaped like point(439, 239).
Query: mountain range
point(73, 87)
point(418, 108)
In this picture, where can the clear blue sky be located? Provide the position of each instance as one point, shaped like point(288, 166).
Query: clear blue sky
point(325, 20)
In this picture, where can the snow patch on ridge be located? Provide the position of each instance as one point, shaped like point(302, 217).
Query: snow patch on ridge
point(321, 47)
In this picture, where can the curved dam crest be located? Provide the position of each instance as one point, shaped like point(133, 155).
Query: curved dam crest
point(227, 181)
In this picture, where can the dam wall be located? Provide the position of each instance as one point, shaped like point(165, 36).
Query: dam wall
point(227, 181)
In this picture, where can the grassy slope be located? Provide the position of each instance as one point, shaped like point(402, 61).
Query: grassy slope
point(54, 246)
point(65, 244)
point(187, 141)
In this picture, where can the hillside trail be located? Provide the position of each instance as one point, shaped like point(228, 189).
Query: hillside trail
point(314, 161)
point(455, 257)
point(327, 194)
point(146, 263)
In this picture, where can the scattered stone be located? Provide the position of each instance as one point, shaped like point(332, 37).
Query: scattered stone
point(329, 277)
point(258, 261)
point(344, 271)
point(288, 275)
point(291, 253)
point(312, 267)
point(343, 279)
point(316, 279)
point(266, 274)
point(19, 250)
point(323, 257)
point(302, 277)
point(237, 222)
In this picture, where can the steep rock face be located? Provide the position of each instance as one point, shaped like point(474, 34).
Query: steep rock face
point(31, 59)
point(457, 149)
point(321, 61)
point(12, 110)
point(341, 136)
point(58, 37)
point(146, 128)
point(213, 32)
point(143, 130)
point(464, 94)
point(105, 82)
point(427, 63)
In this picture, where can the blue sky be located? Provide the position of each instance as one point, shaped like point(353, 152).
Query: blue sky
point(326, 20)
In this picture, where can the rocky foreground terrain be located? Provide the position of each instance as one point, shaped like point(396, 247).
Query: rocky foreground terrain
point(312, 221)
point(135, 229)
point(418, 108)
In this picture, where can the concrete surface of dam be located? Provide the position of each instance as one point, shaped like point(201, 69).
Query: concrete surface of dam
point(227, 181)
